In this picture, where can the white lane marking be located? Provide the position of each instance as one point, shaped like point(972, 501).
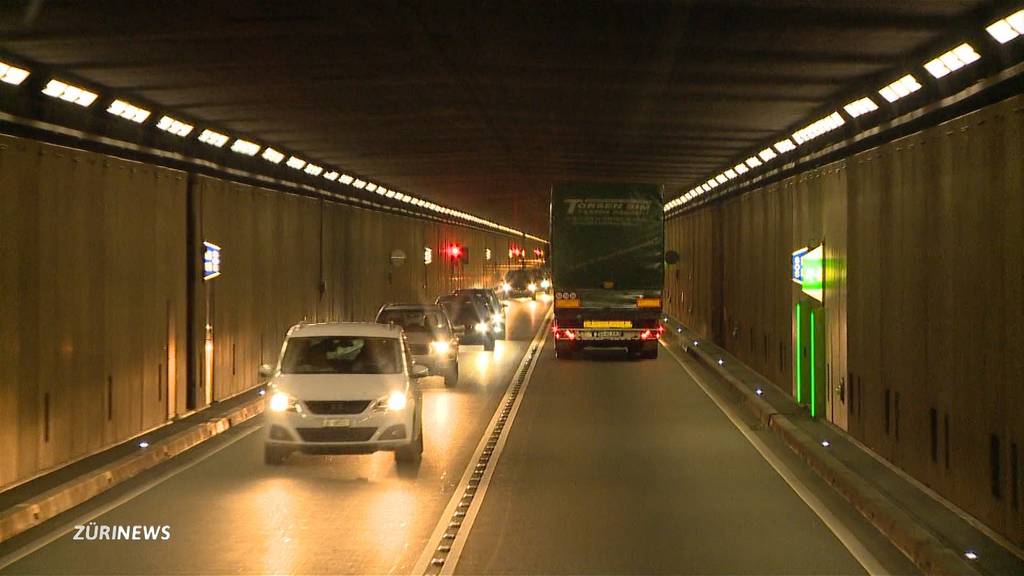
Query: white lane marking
point(67, 527)
point(845, 536)
point(452, 558)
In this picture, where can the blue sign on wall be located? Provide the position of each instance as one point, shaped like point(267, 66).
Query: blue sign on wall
point(211, 260)
point(798, 267)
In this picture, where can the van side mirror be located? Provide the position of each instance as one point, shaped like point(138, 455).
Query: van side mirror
point(266, 371)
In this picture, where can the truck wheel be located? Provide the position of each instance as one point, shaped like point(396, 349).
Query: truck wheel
point(451, 375)
point(275, 455)
point(563, 351)
point(488, 343)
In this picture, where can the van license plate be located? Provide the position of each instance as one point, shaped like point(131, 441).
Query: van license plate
point(337, 422)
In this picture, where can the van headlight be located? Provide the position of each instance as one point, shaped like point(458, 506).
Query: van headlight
point(281, 402)
point(545, 284)
point(440, 347)
point(481, 327)
point(396, 400)
point(532, 287)
point(506, 286)
point(497, 318)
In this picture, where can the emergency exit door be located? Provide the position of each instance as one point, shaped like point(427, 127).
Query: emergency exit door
point(809, 385)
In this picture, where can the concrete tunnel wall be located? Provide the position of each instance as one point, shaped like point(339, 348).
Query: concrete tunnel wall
point(924, 297)
point(94, 266)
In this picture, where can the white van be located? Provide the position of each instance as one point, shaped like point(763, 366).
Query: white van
point(344, 388)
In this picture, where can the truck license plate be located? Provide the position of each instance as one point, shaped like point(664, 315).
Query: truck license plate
point(337, 422)
point(609, 334)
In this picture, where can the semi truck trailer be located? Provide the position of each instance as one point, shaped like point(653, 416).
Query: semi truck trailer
point(607, 259)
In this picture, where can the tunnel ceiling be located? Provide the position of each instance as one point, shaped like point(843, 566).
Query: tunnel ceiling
point(481, 105)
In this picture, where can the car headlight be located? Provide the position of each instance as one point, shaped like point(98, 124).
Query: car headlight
point(481, 327)
point(531, 287)
point(440, 347)
point(545, 284)
point(497, 318)
point(396, 400)
point(280, 402)
point(506, 286)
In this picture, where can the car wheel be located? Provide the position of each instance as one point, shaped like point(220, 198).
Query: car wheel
point(451, 375)
point(275, 455)
point(488, 343)
point(413, 452)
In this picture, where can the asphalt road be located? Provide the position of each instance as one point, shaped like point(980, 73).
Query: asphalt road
point(628, 467)
point(611, 467)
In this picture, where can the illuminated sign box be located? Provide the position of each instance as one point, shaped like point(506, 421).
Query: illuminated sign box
point(211, 260)
point(809, 271)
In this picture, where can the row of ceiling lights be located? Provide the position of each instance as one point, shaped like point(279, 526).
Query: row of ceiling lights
point(56, 88)
point(1003, 31)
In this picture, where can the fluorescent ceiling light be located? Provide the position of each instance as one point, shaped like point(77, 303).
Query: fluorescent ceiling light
point(12, 74)
point(69, 93)
point(245, 147)
point(741, 168)
point(370, 187)
point(1007, 28)
point(332, 176)
point(273, 156)
point(313, 170)
point(390, 194)
point(176, 127)
point(128, 111)
point(212, 138)
point(826, 124)
point(767, 154)
point(296, 163)
point(860, 107)
point(730, 173)
point(345, 179)
point(900, 88)
point(753, 162)
point(784, 146)
point(399, 196)
point(359, 184)
point(953, 60)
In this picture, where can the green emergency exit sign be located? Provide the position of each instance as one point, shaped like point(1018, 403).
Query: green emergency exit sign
point(809, 271)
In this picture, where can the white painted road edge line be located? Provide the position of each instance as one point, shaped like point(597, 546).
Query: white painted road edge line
point(845, 536)
point(67, 527)
point(423, 565)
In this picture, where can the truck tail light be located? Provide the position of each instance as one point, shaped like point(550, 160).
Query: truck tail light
point(565, 334)
point(652, 333)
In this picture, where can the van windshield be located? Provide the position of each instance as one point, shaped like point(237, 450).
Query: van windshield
point(341, 355)
point(414, 320)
